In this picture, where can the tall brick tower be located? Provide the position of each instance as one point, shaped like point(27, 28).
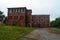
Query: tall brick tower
point(17, 16)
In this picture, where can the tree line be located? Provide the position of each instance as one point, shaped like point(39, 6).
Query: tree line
point(55, 23)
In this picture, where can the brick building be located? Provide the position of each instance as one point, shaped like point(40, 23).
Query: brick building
point(41, 20)
point(23, 17)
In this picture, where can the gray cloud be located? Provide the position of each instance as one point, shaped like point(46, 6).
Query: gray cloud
point(51, 7)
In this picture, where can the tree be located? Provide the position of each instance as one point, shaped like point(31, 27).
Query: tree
point(56, 23)
point(5, 20)
point(2, 17)
point(1, 12)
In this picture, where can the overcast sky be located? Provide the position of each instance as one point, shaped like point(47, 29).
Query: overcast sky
point(51, 7)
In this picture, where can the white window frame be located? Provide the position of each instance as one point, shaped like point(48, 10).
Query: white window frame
point(10, 11)
point(18, 10)
point(22, 10)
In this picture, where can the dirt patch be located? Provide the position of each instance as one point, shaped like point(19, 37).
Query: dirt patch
point(54, 30)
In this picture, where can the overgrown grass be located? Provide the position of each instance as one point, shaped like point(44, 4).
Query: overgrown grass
point(54, 30)
point(13, 32)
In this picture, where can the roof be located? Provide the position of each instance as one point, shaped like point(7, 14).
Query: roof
point(17, 7)
point(39, 15)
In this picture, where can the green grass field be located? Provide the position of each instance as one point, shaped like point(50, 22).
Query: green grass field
point(13, 32)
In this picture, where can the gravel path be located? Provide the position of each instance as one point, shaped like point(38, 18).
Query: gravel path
point(45, 35)
point(41, 34)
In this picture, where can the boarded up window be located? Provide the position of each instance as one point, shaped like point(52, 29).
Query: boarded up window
point(15, 17)
point(10, 17)
point(21, 17)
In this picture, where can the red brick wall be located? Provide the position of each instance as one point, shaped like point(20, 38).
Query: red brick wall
point(18, 19)
point(43, 20)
